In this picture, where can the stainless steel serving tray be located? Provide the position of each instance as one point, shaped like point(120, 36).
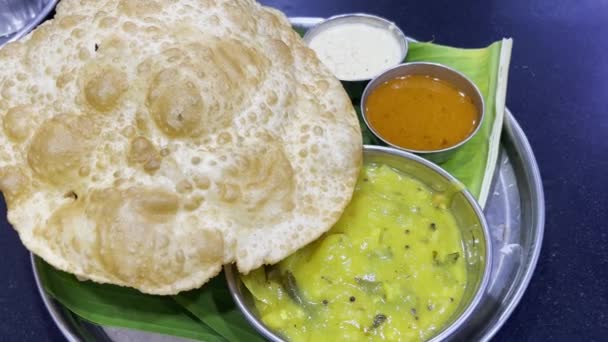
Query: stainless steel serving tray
point(515, 212)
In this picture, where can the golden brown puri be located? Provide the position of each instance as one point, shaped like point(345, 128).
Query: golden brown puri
point(146, 143)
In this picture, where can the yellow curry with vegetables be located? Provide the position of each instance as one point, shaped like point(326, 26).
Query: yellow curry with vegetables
point(392, 268)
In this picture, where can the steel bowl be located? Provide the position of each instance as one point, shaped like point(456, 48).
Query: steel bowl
point(470, 220)
point(356, 86)
point(455, 78)
point(19, 17)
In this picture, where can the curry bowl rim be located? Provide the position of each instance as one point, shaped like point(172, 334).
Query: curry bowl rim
point(376, 81)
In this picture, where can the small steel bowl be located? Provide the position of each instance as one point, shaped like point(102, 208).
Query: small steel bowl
point(19, 17)
point(356, 86)
point(455, 78)
point(469, 218)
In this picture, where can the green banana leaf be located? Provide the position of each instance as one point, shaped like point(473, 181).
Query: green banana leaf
point(475, 162)
point(116, 306)
point(208, 314)
point(215, 307)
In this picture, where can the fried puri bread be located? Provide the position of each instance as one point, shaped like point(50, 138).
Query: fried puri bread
point(147, 143)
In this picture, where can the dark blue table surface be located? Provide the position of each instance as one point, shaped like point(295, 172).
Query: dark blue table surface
point(558, 90)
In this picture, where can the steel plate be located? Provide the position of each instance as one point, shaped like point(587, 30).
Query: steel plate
point(515, 212)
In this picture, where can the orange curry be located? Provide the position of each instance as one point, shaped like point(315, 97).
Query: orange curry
point(421, 113)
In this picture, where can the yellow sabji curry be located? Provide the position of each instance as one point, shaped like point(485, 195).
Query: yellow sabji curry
point(390, 269)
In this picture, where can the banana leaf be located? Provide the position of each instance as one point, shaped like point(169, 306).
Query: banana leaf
point(475, 162)
point(116, 306)
point(208, 314)
point(215, 307)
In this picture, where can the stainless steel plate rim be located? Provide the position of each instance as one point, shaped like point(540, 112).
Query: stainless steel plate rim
point(515, 129)
point(515, 141)
point(51, 306)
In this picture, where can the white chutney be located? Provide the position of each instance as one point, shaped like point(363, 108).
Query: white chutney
point(356, 51)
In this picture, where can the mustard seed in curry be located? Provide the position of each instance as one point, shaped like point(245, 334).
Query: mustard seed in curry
point(421, 113)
